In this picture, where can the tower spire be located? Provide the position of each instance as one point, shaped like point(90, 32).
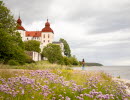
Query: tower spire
point(19, 15)
point(47, 18)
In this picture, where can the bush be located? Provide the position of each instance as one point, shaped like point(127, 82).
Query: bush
point(73, 61)
point(29, 60)
point(13, 62)
point(70, 61)
point(66, 61)
point(53, 53)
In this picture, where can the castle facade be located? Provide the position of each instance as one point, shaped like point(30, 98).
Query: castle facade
point(45, 36)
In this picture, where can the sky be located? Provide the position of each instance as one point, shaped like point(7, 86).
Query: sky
point(96, 30)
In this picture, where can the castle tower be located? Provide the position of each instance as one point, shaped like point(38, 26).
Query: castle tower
point(21, 29)
point(47, 34)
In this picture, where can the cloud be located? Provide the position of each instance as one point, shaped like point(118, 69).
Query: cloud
point(97, 30)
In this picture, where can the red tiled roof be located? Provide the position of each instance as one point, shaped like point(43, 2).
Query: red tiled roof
point(20, 27)
point(33, 33)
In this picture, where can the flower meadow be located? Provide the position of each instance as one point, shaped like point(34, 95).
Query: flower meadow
point(59, 85)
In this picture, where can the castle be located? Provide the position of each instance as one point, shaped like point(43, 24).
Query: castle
point(45, 36)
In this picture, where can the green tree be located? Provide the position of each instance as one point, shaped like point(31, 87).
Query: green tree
point(32, 45)
point(9, 48)
point(73, 61)
point(66, 60)
point(11, 45)
point(67, 50)
point(70, 61)
point(7, 21)
point(53, 53)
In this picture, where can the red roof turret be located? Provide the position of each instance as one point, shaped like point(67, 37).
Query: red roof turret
point(19, 21)
point(19, 24)
point(47, 27)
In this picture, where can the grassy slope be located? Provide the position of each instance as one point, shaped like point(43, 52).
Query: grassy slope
point(57, 82)
point(35, 66)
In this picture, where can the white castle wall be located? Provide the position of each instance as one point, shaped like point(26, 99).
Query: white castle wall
point(22, 33)
point(46, 38)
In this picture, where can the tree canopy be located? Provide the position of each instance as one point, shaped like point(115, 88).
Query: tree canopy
point(7, 21)
point(11, 45)
point(67, 50)
point(53, 53)
point(32, 45)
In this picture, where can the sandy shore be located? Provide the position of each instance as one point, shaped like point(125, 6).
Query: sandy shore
point(125, 82)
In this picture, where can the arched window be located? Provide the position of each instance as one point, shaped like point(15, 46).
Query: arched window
point(48, 36)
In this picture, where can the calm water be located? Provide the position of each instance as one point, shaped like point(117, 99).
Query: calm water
point(122, 71)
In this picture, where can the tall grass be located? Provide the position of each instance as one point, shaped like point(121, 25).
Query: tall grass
point(35, 66)
point(59, 84)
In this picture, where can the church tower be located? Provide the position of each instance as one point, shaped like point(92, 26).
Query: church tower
point(47, 34)
point(21, 29)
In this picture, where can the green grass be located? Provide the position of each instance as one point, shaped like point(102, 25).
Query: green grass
point(35, 66)
point(97, 81)
point(62, 83)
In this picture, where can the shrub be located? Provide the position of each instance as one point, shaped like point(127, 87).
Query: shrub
point(70, 61)
point(13, 62)
point(29, 60)
point(66, 61)
point(73, 61)
point(53, 53)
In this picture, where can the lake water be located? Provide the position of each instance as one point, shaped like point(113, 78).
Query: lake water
point(122, 71)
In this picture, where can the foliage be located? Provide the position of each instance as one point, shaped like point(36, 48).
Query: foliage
point(36, 66)
point(7, 21)
point(67, 50)
point(32, 45)
point(10, 49)
point(11, 45)
point(70, 61)
point(59, 85)
point(17, 38)
point(29, 60)
point(53, 53)
point(66, 61)
point(73, 61)
point(13, 62)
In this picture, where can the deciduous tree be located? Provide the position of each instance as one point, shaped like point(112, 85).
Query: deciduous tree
point(53, 53)
point(67, 50)
point(11, 45)
point(32, 45)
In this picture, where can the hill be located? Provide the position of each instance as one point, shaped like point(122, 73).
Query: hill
point(93, 64)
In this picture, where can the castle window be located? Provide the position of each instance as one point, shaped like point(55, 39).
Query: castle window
point(48, 35)
point(44, 35)
point(48, 41)
point(27, 38)
point(44, 40)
